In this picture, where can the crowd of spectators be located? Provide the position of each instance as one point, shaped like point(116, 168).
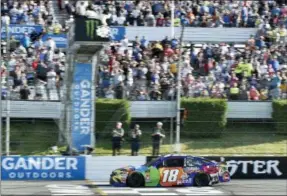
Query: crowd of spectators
point(148, 71)
point(31, 68)
point(197, 13)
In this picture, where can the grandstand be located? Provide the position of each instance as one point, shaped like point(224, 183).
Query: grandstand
point(209, 66)
point(144, 69)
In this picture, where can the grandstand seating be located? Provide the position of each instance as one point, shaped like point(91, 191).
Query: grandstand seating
point(144, 75)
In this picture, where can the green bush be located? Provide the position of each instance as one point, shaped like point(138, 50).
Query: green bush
point(110, 111)
point(279, 116)
point(206, 117)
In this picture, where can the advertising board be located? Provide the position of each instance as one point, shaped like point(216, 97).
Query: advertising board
point(82, 107)
point(43, 168)
point(91, 30)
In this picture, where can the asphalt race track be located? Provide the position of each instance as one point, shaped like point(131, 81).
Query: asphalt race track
point(60, 188)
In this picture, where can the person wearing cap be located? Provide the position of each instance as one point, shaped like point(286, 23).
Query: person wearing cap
point(157, 137)
point(117, 138)
point(135, 140)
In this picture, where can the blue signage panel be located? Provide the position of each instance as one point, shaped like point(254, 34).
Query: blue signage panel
point(43, 168)
point(60, 39)
point(18, 31)
point(118, 33)
point(82, 106)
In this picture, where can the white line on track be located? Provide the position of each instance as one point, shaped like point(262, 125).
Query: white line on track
point(151, 189)
point(150, 194)
point(120, 192)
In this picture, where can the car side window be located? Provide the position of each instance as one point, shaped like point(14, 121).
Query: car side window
point(174, 162)
point(190, 162)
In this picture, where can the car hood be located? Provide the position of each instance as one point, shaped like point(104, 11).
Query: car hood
point(124, 169)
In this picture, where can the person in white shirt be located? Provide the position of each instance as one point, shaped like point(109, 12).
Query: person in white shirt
point(136, 12)
point(51, 43)
point(51, 79)
point(125, 43)
point(165, 65)
point(50, 55)
point(81, 7)
point(121, 19)
point(187, 69)
point(5, 20)
point(110, 93)
point(13, 11)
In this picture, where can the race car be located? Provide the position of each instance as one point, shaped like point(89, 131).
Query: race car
point(171, 170)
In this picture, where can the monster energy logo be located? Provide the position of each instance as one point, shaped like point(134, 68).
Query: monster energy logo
point(91, 26)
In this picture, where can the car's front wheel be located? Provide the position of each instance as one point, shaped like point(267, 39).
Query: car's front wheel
point(202, 180)
point(135, 180)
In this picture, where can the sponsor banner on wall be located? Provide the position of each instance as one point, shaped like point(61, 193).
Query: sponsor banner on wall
point(117, 33)
point(253, 167)
point(43, 168)
point(18, 31)
point(91, 30)
point(60, 39)
point(82, 106)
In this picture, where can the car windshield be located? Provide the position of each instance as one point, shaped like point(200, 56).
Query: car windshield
point(152, 162)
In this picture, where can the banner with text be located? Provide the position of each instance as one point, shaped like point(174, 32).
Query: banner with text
point(43, 168)
point(82, 106)
point(241, 167)
point(60, 39)
point(18, 31)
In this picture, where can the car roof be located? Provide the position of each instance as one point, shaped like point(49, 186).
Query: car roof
point(181, 155)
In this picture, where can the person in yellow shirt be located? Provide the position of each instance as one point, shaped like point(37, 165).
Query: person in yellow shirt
point(57, 28)
point(157, 49)
point(234, 92)
point(158, 45)
point(176, 22)
point(244, 68)
point(173, 68)
point(283, 88)
point(263, 94)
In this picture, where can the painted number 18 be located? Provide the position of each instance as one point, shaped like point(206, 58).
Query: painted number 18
point(170, 175)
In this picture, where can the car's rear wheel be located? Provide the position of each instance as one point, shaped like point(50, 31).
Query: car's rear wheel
point(201, 180)
point(135, 180)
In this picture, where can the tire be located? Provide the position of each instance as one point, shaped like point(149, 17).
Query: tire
point(201, 180)
point(135, 180)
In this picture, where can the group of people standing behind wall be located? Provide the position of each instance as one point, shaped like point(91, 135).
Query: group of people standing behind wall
point(135, 137)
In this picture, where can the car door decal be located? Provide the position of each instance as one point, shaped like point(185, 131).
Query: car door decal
point(171, 176)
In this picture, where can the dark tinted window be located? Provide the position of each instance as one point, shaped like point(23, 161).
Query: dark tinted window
point(174, 162)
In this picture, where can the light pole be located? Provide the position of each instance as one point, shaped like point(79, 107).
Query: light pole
point(1, 104)
point(8, 103)
point(178, 95)
point(172, 19)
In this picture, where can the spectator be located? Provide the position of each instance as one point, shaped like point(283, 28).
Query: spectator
point(24, 93)
point(253, 94)
point(234, 92)
point(157, 137)
point(135, 140)
point(117, 139)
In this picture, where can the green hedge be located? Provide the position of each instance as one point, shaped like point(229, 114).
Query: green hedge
point(279, 116)
point(110, 111)
point(206, 117)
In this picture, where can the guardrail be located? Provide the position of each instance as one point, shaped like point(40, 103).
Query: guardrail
point(139, 109)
